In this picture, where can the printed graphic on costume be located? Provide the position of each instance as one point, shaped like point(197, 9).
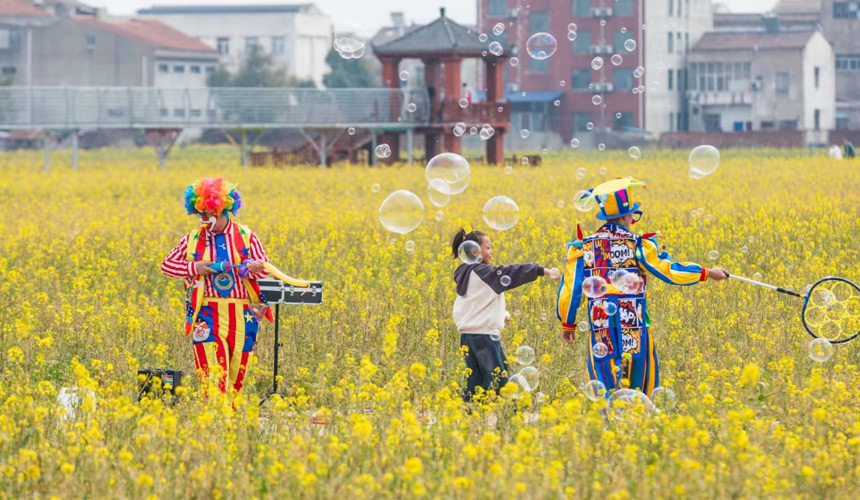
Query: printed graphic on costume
point(201, 332)
point(588, 254)
point(628, 315)
point(598, 314)
point(623, 253)
point(631, 340)
point(603, 336)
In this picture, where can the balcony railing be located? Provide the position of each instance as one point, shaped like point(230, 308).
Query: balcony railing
point(476, 113)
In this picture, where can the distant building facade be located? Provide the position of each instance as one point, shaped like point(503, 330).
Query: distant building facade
point(663, 31)
point(298, 37)
point(762, 80)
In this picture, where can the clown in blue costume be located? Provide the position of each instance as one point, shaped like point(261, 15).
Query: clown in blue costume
point(618, 314)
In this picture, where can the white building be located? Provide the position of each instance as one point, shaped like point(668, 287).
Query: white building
point(298, 37)
point(771, 80)
point(672, 28)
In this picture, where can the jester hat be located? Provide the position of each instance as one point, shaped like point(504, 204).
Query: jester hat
point(213, 195)
point(615, 198)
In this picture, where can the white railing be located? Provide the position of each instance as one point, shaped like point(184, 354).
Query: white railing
point(146, 107)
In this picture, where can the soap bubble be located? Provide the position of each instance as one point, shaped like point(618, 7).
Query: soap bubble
point(496, 48)
point(450, 171)
point(508, 170)
point(459, 129)
point(571, 35)
point(409, 246)
point(541, 46)
point(439, 215)
point(531, 376)
point(583, 201)
point(349, 47)
point(487, 132)
point(630, 44)
point(557, 103)
point(627, 398)
point(401, 212)
point(501, 213)
point(524, 160)
point(543, 316)
point(617, 277)
point(597, 63)
point(375, 188)
point(495, 335)
point(350, 131)
point(524, 133)
point(623, 29)
point(562, 83)
point(483, 37)
point(473, 130)
point(600, 350)
point(664, 398)
point(597, 100)
point(603, 171)
point(515, 61)
point(757, 276)
point(594, 390)
point(498, 29)
point(560, 204)
point(616, 59)
point(540, 397)
point(571, 27)
point(820, 350)
point(745, 249)
point(437, 198)
point(634, 152)
point(580, 173)
point(505, 280)
point(639, 71)
point(383, 151)
point(601, 147)
point(574, 143)
point(404, 75)
point(610, 307)
point(589, 126)
point(618, 115)
point(469, 252)
point(594, 287)
point(411, 107)
point(640, 89)
point(582, 326)
point(704, 160)
point(713, 255)
point(525, 355)
point(464, 103)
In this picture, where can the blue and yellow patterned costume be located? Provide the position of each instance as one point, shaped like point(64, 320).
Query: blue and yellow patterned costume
point(626, 333)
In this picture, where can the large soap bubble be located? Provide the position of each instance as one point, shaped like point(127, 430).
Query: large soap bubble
point(401, 212)
point(594, 287)
point(452, 170)
point(525, 355)
point(704, 160)
point(627, 398)
point(541, 46)
point(528, 379)
point(469, 252)
point(349, 47)
point(501, 213)
point(437, 197)
point(820, 350)
point(584, 201)
point(594, 390)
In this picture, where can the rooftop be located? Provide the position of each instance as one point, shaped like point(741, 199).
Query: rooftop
point(229, 9)
point(441, 36)
point(719, 40)
point(152, 32)
point(21, 8)
point(797, 6)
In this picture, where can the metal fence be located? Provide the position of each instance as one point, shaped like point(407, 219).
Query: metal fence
point(145, 107)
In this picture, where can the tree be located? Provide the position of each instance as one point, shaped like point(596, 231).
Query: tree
point(258, 70)
point(354, 73)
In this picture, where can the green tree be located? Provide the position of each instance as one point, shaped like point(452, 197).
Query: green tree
point(354, 73)
point(258, 70)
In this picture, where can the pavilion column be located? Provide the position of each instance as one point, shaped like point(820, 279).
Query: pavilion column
point(390, 78)
point(495, 93)
point(452, 95)
point(433, 81)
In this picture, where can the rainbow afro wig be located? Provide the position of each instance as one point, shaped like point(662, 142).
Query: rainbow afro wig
point(213, 195)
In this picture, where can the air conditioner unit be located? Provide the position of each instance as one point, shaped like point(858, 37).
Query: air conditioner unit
point(596, 11)
point(607, 12)
point(608, 87)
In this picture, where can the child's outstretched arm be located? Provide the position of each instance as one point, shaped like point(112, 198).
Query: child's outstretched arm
point(661, 265)
point(518, 274)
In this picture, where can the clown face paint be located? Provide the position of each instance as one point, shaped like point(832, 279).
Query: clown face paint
point(207, 220)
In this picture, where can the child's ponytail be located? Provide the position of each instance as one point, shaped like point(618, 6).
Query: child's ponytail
point(462, 236)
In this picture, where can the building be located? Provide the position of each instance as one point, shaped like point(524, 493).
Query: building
point(298, 37)
point(662, 30)
point(70, 45)
point(762, 80)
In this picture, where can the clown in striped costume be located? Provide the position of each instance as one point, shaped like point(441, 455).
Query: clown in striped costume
point(617, 314)
point(222, 308)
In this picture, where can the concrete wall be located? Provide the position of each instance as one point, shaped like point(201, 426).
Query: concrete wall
point(307, 37)
point(775, 139)
point(819, 54)
point(844, 36)
point(16, 58)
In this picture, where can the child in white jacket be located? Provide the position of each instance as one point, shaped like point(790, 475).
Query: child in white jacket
point(479, 311)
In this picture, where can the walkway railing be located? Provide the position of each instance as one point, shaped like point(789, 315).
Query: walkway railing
point(145, 107)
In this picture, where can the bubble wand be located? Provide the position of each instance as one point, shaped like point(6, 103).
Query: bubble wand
point(244, 272)
point(831, 307)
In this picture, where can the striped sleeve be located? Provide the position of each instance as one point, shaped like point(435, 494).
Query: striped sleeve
point(660, 264)
point(570, 289)
point(258, 253)
point(175, 265)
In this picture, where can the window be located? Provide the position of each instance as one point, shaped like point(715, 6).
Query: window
point(670, 43)
point(623, 122)
point(194, 69)
point(582, 44)
point(210, 69)
point(788, 125)
point(223, 44)
point(163, 112)
point(277, 45)
point(848, 62)
point(680, 47)
point(671, 122)
point(250, 44)
point(10, 39)
point(842, 122)
point(618, 39)
point(196, 113)
point(539, 22)
point(179, 68)
point(179, 113)
point(767, 125)
point(716, 76)
point(687, 12)
point(581, 79)
point(622, 80)
point(680, 84)
point(116, 112)
point(782, 82)
point(846, 10)
point(712, 122)
point(498, 8)
point(581, 8)
point(580, 121)
point(163, 68)
point(90, 41)
point(817, 119)
point(9, 70)
point(671, 74)
point(686, 42)
point(817, 75)
point(623, 7)
point(671, 8)
point(679, 7)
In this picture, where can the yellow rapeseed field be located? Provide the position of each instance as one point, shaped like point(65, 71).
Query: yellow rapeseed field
point(371, 405)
